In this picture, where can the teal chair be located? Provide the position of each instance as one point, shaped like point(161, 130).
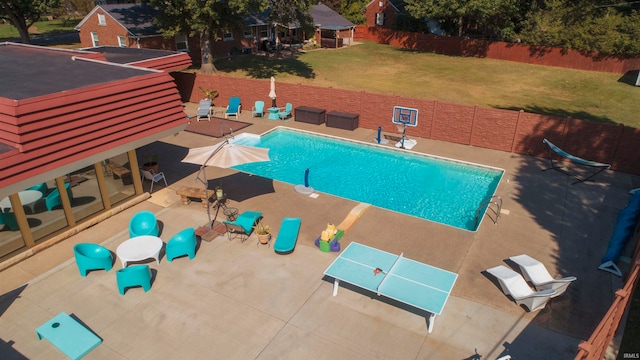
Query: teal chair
point(53, 198)
point(143, 223)
point(287, 236)
point(91, 256)
point(42, 187)
point(182, 243)
point(286, 113)
point(233, 108)
point(258, 109)
point(9, 219)
point(243, 224)
point(137, 275)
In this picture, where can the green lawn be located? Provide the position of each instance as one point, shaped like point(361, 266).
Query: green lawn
point(371, 67)
point(8, 31)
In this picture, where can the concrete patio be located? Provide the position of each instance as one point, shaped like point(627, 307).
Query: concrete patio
point(242, 301)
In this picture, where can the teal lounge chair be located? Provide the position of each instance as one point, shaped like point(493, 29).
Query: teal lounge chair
point(287, 236)
point(90, 256)
point(138, 275)
point(258, 109)
point(53, 199)
point(9, 219)
point(233, 108)
point(243, 225)
point(143, 223)
point(182, 243)
point(286, 112)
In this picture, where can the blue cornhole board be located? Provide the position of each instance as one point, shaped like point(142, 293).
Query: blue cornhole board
point(68, 335)
point(287, 236)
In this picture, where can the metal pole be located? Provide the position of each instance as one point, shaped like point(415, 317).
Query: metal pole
point(206, 182)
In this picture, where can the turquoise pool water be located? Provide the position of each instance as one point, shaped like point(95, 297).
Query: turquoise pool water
point(432, 188)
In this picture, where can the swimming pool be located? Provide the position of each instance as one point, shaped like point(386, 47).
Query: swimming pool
point(433, 188)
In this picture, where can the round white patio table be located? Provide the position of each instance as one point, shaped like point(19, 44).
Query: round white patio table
point(139, 248)
point(27, 197)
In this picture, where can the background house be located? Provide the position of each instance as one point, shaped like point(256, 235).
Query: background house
point(381, 13)
point(131, 25)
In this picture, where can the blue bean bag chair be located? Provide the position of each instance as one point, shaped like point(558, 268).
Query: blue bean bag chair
point(287, 236)
point(143, 223)
point(91, 256)
point(182, 243)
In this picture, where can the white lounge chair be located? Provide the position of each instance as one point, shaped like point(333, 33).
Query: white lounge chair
point(513, 284)
point(204, 110)
point(534, 271)
point(153, 177)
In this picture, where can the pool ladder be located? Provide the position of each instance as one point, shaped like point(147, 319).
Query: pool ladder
point(496, 201)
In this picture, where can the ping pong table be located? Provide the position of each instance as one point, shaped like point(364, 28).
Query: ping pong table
point(420, 285)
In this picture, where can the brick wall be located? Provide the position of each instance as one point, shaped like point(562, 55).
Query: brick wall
point(390, 13)
point(506, 130)
point(107, 34)
point(497, 50)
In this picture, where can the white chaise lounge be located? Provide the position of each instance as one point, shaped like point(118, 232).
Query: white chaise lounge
point(535, 271)
point(513, 284)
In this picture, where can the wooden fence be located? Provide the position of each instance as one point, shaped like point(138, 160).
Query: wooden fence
point(457, 46)
point(596, 346)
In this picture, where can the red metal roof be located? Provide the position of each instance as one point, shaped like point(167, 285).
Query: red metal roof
point(78, 109)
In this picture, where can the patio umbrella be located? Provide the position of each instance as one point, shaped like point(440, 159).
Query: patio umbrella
point(272, 93)
point(223, 155)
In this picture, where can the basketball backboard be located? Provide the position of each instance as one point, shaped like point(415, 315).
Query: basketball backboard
point(405, 116)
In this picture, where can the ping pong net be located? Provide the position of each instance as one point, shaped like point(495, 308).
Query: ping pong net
point(389, 273)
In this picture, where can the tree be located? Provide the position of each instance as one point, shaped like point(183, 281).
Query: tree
point(470, 17)
point(23, 13)
point(68, 9)
point(353, 10)
point(204, 18)
point(199, 18)
point(592, 26)
point(292, 12)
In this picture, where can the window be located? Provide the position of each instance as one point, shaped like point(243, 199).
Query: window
point(94, 39)
point(181, 42)
point(122, 41)
point(379, 19)
point(102, 21)
point(227, 35)
point(248, 34)
point(264, 33)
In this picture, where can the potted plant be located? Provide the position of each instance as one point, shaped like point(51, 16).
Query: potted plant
point(150, 163)
point(209, 94)
point(264, 233)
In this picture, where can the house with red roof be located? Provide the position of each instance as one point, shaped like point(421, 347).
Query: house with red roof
point(131, 25)
point(70, 124)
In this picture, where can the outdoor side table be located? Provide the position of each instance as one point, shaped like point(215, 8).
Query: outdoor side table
point(342, 120)
point(230, 213)
point(273, 113)
point(310, 115)
point(68, 335)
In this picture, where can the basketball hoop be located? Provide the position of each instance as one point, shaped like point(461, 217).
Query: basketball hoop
point(403, 117)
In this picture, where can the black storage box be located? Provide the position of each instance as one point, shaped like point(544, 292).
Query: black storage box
point(309, 115)
point(342, 120)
